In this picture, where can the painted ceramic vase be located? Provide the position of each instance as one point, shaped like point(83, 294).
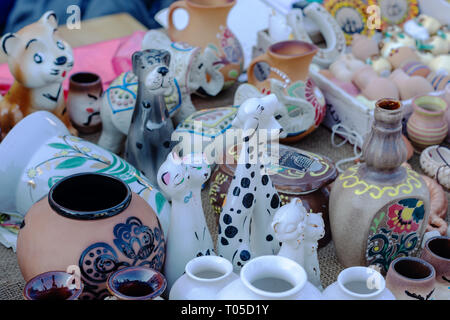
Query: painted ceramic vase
point(416, 68)
point(411, 278)
point(93, 221)
point(83, 101)
point(207, 27)
point(53, 285)
point(410, 86)
point(358, 283)
point(386, 206)
point(30, 167)
point(427, 125)
point(372, 86)
point(136, 283)
point(270, 278)
point(299, 174)
point(437, 253)
point(205, 276)
point(287, 64)
point(438, 81)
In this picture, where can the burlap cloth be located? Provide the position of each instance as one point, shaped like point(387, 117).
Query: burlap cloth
point(12, 283)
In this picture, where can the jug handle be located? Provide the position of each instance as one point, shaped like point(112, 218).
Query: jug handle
point(250, 75)
point(173, 32)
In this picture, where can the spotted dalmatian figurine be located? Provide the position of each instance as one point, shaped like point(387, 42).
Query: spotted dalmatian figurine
point(188, 236)
point(252, 200)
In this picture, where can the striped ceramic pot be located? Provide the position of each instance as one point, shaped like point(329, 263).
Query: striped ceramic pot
point(427, 125)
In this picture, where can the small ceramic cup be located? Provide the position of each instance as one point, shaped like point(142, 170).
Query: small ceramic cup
point(410, 278)
point(136, 283)
point(53, 285)
point(437, 252)
point(84, 101)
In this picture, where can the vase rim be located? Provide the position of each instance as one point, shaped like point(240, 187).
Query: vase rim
point(415, 260)
point(309, 49)
point(109, 210)
point(389, 105)
point(432, 252)
point(209, 263)
point(439, 105)
point(74, 296)
point(360, 273)
point(225, 4)
point(84, 80)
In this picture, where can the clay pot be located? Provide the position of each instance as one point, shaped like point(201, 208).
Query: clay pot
point(92, 221)
point(409, 147)
point(53, 285)
point(438, 81)
point(437, 253)
point(434, 162)
point(439, 206)
point(402, 55)
point(416, 68)
point(411, 278)
point(427, 125)
point(348, 87)
point(345, 66)
point(410, 87)
point(372, 86)
point(364, 47)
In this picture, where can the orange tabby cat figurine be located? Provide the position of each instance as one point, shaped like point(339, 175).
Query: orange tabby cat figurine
point(39, 61)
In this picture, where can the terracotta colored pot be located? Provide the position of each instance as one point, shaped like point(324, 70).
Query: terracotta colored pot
point(207, 27)
point(437, 253)
point(92, 221)
point(53, 285)
point(409, 87)
point(372, 86)
point(411, 278)
point(300, 174)
point(427, 125)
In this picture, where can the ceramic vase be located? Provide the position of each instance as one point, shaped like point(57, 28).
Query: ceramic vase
point(30, 167)
point(378, 209)
point(437, 253)
point(372, 86)
point(83, 101)
point(136, 283)
point(53, 285)
point(416, 68)
point(427, 125)
point(92, 221)
point(358, 283)
point(411, 278)
point(270, 278)
point(410, 86)
point(207, 27)
point(205, 276)
point(438, 81)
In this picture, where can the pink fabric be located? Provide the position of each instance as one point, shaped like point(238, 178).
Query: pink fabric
point(108, 59)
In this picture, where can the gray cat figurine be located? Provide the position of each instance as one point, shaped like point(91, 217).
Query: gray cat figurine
point(148, 142)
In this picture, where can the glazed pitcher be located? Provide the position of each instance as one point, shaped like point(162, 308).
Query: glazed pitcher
point(207, 27)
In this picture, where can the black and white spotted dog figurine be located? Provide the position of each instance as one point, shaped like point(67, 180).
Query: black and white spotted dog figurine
point(148, 142)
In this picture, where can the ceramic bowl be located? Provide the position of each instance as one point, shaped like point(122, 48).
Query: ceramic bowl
point(52, 285)
point(435, 160)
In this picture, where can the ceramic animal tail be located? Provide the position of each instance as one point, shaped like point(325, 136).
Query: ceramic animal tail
point(188, 235)
point(299, 233)
point(39, 61)
point(251, 201)
point(149, 136)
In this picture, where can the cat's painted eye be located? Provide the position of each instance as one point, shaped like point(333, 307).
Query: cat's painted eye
point(60, 45)
point(38, 58)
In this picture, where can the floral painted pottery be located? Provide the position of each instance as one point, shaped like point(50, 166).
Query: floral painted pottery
point(299, 174)
point(416, 68)
point(39, 61)
point(52, 285)
point(434, 161)
point(427, 125)
point(207, 27)
point(83, 101)
point(438, 208)
point(372, 86)
point(364, 48)
point(358, 283)
point(136, 283)
point(30, 167)
point(437, 253)
point(205, 276)
point(284, 70)
point(387, 205)
point(100, 226)
point(270, 278)
point(410, 86)
point(411, 278)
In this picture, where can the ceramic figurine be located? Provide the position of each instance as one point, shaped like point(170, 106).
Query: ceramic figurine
point(39, 61)
point(434, 162)
point(149, 137)
point(386, 206)
point(53, 285)
point(437, 253)
point(410, 86)
point(411, 278)
point(83, 102)
point(52, 154)
point(416, 30)
point(299, 232)
point(188, 235)
point(436, 45)
point(372, 86)
point(358, 283)
point(381, 65)
point(136, 283)
point(345, 67)
point(396, 41)
point(284, 70)
point(205, 276)
point(270, 278)
point(364, 48)
point(430, 23)
point(427, 125)
point(278, 28)
point(207, 27)
point(100, 226)
point(251, 199)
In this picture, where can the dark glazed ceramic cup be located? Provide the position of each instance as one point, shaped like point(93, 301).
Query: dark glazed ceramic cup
point(52, 285)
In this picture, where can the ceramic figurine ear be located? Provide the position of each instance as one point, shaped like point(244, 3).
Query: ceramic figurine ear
point(166, 58)
point(135, 61)
point(49, 18)
point(9, 42)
